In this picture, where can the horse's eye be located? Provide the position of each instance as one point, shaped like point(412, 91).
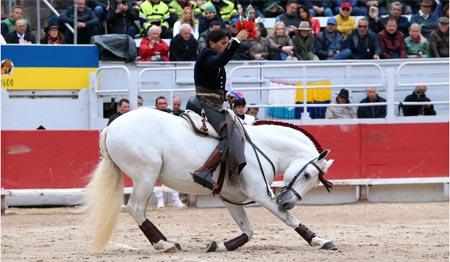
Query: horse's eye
point(307, 175)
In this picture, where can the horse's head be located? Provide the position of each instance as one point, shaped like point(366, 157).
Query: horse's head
point(300, 177)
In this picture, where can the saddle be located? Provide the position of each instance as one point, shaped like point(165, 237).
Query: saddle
point(199, 124)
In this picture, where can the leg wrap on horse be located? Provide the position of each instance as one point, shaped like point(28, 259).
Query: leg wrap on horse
point(305, 232)
point(236, 242)
point(152, 232)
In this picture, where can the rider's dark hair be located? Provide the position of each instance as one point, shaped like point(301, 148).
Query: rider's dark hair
point(216, 35)
point(123, 100)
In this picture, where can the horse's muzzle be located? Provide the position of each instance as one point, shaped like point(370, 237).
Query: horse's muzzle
point(286, 200)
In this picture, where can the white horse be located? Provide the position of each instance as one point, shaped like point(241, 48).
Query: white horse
point(150, 145)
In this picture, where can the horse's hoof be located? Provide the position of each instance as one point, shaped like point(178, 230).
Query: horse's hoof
point(177, 245)
point(329, 246)
point(171, 250)
point(211, 247)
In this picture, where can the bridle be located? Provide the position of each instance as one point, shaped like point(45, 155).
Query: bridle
point(328, 185)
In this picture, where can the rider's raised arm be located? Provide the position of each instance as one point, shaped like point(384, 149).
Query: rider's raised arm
point(216, 61)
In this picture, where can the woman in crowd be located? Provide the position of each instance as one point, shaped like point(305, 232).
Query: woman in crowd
point(52, 35)
point(280, 44)
point(304, 15)
point(417, 46)
point(186, 18)
point(259, 46)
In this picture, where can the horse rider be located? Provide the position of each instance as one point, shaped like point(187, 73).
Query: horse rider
point(210, 80)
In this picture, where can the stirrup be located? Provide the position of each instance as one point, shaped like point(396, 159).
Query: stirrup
point(205, 179)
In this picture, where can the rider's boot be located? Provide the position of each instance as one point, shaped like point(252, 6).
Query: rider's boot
point(203, 175)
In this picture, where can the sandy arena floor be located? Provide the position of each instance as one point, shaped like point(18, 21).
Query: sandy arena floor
point(362, 232)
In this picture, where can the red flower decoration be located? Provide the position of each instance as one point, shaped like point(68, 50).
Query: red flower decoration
point(247, 25)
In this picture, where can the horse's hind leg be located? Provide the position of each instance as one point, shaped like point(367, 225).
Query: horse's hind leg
point(136, 207)
point(240, 217)
point(293, 222)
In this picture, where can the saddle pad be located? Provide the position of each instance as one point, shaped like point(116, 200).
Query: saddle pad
point(196, 121)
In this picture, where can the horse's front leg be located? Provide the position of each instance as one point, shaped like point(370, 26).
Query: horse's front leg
point(240, 217)
point(293, 222)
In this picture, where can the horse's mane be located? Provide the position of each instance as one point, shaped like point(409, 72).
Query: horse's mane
point(285, 124)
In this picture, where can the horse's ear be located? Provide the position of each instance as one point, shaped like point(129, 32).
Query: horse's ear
point(323, 154)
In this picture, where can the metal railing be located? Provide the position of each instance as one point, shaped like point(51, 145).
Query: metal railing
point(170, 91)
point(304, 80)
point(387, 80)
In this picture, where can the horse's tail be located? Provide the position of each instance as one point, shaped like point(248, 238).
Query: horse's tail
point(104, 196)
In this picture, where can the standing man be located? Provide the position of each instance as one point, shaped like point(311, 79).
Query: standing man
point(124, 107)
point(210, 80)
point(161, 104)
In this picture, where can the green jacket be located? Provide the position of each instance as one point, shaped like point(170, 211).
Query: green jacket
point(304, 47)
point(155, 14)
point(413, 48)
point(9, 25)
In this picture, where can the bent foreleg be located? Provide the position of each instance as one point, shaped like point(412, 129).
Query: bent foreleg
point(240, 217)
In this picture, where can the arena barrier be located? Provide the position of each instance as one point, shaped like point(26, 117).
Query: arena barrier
point(373, 162)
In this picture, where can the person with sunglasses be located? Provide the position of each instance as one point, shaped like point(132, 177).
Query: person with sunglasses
point(363, 43)
point(345, 22)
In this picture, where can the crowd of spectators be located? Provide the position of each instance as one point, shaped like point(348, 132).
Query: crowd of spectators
point(383, 31)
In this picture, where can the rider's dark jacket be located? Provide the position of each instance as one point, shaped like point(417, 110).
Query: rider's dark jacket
point(209, 70)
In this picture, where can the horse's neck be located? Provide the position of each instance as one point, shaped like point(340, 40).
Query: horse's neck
point(284, 145)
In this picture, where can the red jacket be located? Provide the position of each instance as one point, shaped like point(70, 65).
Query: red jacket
point(147, 53)
point(392, 46)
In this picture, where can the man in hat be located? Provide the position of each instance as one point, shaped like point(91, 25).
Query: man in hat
point(339, 112)
point(439, 39)
point(209, 17)
point(304, 43)
point(425, 18)
point(345, 22)
point(225, 9)
point(330, 43)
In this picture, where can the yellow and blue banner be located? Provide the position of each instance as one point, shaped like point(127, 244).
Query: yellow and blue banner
point(47, 67)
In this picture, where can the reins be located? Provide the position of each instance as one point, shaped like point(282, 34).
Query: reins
point(256, 149)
